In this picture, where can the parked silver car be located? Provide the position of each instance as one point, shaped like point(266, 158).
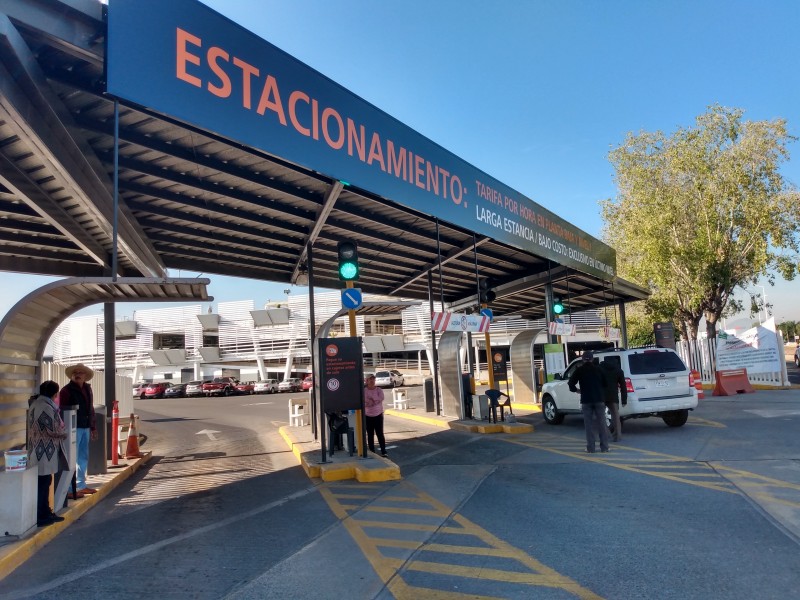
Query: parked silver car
point(268, 386)
point(195, 388)
point(293, 384)
point(391, 378)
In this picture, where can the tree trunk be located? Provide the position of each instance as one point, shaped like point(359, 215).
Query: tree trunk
point(711, 325)
point(684, 330)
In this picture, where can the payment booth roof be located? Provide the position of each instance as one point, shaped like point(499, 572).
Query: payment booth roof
point(193, 200)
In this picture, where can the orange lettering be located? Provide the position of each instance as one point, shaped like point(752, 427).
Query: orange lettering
point(397, 162)
point(248, 71)
point(376, 151)
point(315, 119)
point(271, 99)
point(357, 137)
point(326, 116)
point(224, 90)
point(433, 176)
point(183, 56)
point(418, 171)
point(293, 98)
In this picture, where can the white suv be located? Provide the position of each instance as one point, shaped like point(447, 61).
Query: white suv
point(658, 383)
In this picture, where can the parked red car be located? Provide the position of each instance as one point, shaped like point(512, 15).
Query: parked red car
point(220, 386)
point(308, 383)
point(156, 390)
point(245, 387)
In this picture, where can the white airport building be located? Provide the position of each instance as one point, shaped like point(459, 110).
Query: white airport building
point(198, 341)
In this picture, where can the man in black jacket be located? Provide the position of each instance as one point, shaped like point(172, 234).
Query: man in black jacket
point(592, 387)
point(615, 380)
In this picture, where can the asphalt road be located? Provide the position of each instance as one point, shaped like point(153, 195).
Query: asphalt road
point(708, 510)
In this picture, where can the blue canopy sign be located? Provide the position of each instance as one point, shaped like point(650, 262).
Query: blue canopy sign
point(182, 59)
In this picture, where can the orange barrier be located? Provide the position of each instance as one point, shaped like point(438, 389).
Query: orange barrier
point(732, 382)
point(132, 451)
point(697, 382)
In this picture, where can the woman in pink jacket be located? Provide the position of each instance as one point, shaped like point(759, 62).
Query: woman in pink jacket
point(373, 411)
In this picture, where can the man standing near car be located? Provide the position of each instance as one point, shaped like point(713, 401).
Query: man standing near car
point(592, 388)
point(615, 380)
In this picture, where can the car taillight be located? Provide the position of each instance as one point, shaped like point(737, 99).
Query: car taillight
point(629, 385)
point(691, 379)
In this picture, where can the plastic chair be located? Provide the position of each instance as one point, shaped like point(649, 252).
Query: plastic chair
point(494, 403)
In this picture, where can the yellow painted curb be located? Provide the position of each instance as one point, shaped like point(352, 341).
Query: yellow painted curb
point(530, 407)
point(403, 414)
point(493, 428)
point(515, 428)
point(16, 553)
point(376, 468)
point(458, 426)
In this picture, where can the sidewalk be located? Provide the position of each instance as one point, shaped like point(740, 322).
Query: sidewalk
point(15, 552)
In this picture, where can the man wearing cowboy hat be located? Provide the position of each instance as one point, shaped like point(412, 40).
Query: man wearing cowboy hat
point(78, 393)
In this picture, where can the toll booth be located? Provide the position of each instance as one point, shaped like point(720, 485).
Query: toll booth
point(523, 372)
point(450, 374)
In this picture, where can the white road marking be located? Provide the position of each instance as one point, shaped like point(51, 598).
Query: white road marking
point(69, 578)
point(775, 412)
point(210, 433)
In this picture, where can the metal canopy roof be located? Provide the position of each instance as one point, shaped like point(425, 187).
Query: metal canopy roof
point(24, 331)
point(194, 201)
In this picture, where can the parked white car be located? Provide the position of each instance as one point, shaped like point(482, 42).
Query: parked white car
point(293, 384)
point(390, 378)
point(195, 388)
point(658, 382)
point(268, 386)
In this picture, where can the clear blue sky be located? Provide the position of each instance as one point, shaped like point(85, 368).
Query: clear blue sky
point(536, 93)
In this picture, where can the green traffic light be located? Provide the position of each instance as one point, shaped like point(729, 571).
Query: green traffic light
point(348, 271)
point(558, 306)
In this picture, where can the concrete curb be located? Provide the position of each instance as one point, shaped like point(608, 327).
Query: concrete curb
point(16, 553)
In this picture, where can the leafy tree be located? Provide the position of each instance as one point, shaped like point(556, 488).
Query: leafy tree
point(702, 212)
point(639, 325)
point(790, 329)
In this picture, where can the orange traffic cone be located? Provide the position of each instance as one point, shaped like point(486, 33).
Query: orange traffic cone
point(132, 451)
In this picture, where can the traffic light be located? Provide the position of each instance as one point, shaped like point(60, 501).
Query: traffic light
point(558, 305)
point(348, 261)
point(486, 293)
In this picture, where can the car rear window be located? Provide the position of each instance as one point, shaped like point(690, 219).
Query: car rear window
point(382, 374)
point(647, 363)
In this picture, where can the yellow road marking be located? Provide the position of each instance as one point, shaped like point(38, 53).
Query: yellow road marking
point(392, 570)
point(671, 467)
point(706, 423)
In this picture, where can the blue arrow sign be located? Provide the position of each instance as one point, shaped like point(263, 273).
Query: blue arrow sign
point(352, 298)
point(487, 312)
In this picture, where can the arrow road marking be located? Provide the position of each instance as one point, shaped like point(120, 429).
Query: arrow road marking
point(210, 433)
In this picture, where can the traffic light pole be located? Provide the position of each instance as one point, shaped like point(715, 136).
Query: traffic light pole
point(488, 339)
point(361, 449)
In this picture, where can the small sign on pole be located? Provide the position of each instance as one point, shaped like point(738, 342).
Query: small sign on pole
point(352, 298)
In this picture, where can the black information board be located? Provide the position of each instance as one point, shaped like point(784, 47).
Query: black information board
point(665, 335)
point(341, 374)
point(500, 363)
